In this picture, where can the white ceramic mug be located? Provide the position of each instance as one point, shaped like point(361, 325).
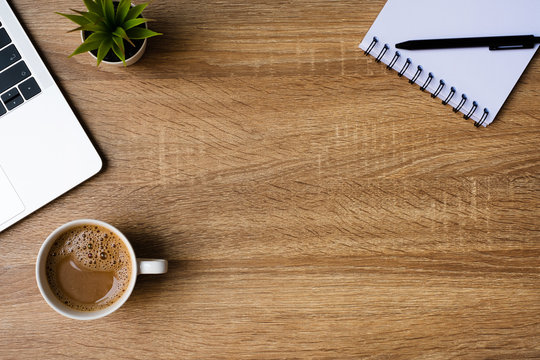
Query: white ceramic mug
point(140, 266)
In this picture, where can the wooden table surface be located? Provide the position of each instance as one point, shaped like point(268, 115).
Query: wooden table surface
point(311, 204)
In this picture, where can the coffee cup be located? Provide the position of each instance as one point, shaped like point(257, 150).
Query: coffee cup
point(86, 269)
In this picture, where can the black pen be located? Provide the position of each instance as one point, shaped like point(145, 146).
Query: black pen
point(493, 42)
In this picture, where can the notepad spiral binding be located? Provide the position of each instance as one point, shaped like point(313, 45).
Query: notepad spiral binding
point(426, 83)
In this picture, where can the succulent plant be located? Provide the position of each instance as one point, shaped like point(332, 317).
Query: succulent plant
point(110, 24)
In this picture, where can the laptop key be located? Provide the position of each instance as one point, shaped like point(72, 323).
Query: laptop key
point(14, 102)
point(4, 38)
point(9, 56)
point(2, 109)
point(13, 76)
point(9, 94)
point(12, 99)
point(29, 88)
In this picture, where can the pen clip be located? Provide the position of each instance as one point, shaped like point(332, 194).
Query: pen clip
point(513, 42)
point(510, 47)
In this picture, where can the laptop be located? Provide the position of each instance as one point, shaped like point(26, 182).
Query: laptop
point(44, 151)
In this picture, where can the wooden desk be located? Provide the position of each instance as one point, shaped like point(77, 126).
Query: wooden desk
point(311, 204)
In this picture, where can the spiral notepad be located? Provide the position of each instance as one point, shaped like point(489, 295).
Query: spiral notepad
point(474, 81)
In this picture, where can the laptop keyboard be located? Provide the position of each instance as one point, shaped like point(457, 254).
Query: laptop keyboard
point(16, 82)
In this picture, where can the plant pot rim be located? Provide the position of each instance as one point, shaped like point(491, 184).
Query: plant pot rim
point(132, 59)
point(129, 61)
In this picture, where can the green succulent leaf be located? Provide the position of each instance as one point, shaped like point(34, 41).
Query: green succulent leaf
point(122, 11)
point(92, 27)
point(136, 11)
point(133, 22)
point(99, 6)
point(85, 47)
point(76, 29)
point(108, 11)
point(98, 36)
point(141, 33)
point(93, 7)
point(90, 16)
point(120, 43)
point(77, 19)
point(119, 52)
point(119, 32)
point(103, 49)
point(91, 43)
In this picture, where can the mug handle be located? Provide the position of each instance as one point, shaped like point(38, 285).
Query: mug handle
point(151, 266)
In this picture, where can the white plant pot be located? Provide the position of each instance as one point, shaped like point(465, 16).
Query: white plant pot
point(130, 61)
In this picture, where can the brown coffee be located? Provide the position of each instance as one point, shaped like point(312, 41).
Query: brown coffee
point(88, 268)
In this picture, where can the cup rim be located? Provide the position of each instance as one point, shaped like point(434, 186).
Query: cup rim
point(47, 293)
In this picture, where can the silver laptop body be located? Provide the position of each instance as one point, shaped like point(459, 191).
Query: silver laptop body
point(44, 151)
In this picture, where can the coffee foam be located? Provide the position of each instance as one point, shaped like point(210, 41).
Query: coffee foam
point(92, 248)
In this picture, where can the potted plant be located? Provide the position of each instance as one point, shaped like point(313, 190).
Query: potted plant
point(113, 32)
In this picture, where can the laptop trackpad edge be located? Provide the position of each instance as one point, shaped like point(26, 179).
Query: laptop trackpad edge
point(10, 202)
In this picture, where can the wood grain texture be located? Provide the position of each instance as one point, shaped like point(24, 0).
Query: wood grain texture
point(311, 204)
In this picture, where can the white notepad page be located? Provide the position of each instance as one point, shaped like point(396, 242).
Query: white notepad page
point(485, 76)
